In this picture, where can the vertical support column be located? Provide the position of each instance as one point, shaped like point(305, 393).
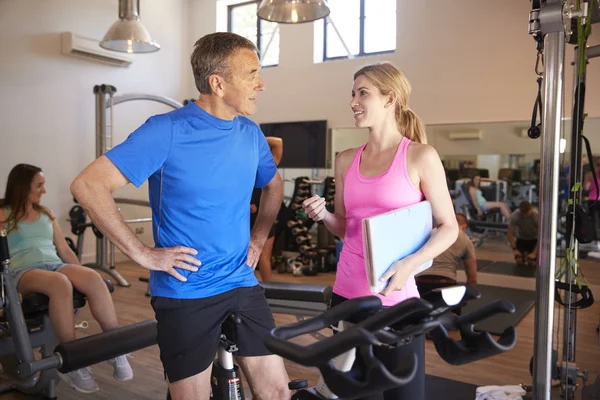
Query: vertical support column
point(100, 92)
point(100, 119)
point(570, 323)
point(553, 79)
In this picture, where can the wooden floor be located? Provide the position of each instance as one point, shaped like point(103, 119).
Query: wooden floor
point(507, 369)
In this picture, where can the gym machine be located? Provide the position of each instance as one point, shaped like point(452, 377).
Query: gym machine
point(553, 23)
point(372, 326)
point(25, 325)
point(105, 101)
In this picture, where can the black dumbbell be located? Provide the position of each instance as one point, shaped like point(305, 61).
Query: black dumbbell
point(299, 231)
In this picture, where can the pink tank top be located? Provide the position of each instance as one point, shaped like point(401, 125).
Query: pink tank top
point(594, 195)
point(365, 197)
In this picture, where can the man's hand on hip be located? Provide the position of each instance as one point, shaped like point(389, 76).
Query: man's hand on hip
point(170, 258)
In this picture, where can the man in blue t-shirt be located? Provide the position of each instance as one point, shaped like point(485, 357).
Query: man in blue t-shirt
point(202, 162)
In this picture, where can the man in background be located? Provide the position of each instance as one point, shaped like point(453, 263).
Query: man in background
point(523, 234)
point(442, 272)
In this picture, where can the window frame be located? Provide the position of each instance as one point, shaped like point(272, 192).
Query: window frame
point(230, 9)
point(361, 45)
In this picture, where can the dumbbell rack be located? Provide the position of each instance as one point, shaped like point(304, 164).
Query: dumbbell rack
point(310, 255)
point(325, 239)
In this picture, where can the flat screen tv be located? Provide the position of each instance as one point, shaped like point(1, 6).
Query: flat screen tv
point(305, 143)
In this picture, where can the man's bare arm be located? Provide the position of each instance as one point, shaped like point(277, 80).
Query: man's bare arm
point(93, 189)
point(270, 202)
point(276, 145)
point(471, 271)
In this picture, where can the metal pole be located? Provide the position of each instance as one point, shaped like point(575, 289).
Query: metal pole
point(553, 80)
point(575, 169)
point(100, 119)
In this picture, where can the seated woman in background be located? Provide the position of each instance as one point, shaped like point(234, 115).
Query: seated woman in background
point(592, 195)
point(481, 204)
point(44, 263)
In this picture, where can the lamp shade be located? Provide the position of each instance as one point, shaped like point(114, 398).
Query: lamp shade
point(292, 11)
point(128, 35)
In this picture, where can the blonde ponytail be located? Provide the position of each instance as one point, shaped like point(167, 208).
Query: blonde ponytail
point(411, 126)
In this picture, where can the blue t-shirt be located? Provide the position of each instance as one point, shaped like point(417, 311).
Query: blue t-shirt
point(201, 171)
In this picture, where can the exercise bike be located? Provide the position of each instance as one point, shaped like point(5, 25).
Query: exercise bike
point(25, 326)
point(371, 325)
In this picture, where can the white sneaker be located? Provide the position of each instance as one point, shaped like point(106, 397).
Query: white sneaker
point(594, 254)
point(122, 369)
point(81, 380)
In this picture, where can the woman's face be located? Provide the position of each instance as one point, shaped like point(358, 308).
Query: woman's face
point(476, 181)
point(37, 188)
point(368, 104)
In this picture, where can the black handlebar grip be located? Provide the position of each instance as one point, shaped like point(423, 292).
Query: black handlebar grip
point(474, 346)
point(409, 311)
point(373, 378)
point(320, 352)
point(342, 312)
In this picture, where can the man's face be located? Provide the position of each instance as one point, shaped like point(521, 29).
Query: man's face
point(241, 88)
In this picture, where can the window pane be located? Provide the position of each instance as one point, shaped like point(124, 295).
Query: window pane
point(243, 21)
point(344, 9)
point(346, 16)
point(380, 25)
point(266, 31)
point(379, 7)
point(380, 34)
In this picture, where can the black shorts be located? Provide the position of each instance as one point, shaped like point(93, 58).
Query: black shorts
point(189, 329)
point(526, 245)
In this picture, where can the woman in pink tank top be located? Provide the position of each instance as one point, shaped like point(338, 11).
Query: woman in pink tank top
point(395, 168)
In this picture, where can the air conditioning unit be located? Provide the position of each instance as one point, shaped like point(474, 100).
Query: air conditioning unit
point(89, 49)
point(473, 135)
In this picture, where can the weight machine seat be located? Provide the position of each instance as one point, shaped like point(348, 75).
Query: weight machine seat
point(34, 305)
point(480, 222)
point(492, 225)
point(297, 292)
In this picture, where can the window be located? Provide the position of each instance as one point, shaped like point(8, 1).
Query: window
point(367, 26)
point(242, 20)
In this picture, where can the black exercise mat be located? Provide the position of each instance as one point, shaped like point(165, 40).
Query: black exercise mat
point(437, 388)
point(480, 264)
point(510, 268)
point(523, 300)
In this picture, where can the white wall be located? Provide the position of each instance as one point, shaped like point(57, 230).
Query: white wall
point(467, 62)
point(46, 101)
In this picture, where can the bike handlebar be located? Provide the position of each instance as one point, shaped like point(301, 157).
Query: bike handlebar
point(391, 326)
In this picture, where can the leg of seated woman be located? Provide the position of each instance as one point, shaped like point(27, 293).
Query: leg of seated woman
point(59, 290)
point(91, 284)
point(502, 206)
